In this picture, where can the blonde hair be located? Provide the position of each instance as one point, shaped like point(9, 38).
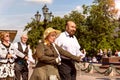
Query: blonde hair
point(2, 35)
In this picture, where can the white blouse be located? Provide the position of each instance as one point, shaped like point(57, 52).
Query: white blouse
point(12, 50)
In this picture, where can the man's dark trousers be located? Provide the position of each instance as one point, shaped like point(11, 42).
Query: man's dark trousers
point(67, 70)
point(21, 70)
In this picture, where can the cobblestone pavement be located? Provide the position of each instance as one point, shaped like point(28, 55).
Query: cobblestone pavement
point(95, 76)
point(82, 75)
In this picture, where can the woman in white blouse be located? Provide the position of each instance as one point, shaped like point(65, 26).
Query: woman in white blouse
point(8, 54)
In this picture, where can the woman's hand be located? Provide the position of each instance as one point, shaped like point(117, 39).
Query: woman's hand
point(9, 56)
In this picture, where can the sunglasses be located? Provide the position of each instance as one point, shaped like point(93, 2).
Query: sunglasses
point(7, 36)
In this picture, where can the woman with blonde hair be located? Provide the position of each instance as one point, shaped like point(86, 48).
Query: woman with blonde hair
point(48, 54)
point(8, 54)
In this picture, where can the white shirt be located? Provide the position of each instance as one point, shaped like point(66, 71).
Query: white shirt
point(30, 58)
point(69, 43)
point(119, 53)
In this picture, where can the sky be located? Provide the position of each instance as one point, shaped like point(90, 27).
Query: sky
point(15, 14)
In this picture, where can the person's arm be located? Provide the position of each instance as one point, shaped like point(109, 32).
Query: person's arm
point(42, 57)
point(78, 52)
point(67, 54)
point(18, 53)
point(30, 58)
point(15, 45)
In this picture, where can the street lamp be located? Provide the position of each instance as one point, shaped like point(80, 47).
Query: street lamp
point(45, 9)
point(51, 16)
point(37, 16)
point(47, 16)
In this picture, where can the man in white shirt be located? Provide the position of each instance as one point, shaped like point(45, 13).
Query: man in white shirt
point(21, 65)
point(68, 41)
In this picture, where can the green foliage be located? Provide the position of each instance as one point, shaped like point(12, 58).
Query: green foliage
point(104, 44)
point(101, 24)
point(58, 23)
point(96, 27)
point(117, 43)
point(35, 32)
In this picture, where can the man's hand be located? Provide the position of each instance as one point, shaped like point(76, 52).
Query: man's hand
point(81, 56)
point(26, 58)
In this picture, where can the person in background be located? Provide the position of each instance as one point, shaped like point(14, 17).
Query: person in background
point(99, 55)
point(94, 59)
point(8, 55)
point(109, 52)
point(68, 41)
point(84, 59)
point(21, 65)
point(48, 56)
point(100, 52)
point(116, 52)
point(105, 53)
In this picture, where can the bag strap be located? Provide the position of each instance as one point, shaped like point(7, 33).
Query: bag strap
point(57, 51)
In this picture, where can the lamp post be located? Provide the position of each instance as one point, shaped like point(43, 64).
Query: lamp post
point(37, 16)
point(47, 16)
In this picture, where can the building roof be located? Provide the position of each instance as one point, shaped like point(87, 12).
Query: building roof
point(12, 34)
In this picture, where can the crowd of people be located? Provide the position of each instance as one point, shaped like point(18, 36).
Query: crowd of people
point(57, 55)
point(101, 53)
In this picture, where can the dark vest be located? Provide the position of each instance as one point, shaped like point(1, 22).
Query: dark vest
point(21, 50)
point(21, 60)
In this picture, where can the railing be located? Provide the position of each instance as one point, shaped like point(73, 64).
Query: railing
point(110, 71)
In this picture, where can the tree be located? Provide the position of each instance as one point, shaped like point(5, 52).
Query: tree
point(101, 23)
point(35, 31)
point(57, 23)
point(96, 26)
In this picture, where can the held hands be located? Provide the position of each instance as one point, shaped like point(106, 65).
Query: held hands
point(14, 56)
point(80, 57)
point(9, 55)
point(58, 61)
point(26, 58)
